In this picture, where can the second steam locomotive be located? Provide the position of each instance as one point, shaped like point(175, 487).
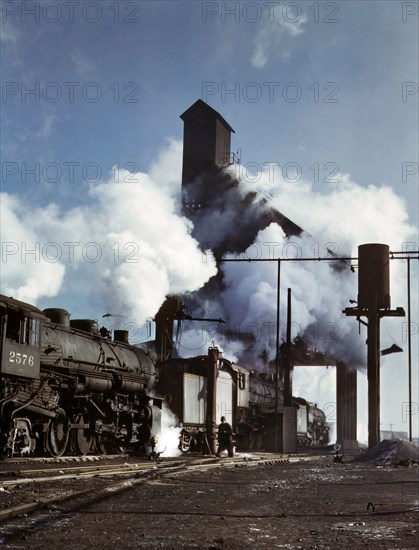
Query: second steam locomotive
point(245, 398)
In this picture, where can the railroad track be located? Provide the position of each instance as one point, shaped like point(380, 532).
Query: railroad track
point(59, 479)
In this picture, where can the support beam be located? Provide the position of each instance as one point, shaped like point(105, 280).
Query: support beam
point(373, 372)
point(346, 406)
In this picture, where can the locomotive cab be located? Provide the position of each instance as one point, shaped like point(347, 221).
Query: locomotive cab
point(20, 326)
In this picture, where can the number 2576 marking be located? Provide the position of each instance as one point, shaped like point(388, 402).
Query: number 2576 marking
point(20, 358)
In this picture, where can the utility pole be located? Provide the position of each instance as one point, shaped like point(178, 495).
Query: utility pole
point(277, 366)
point(288, 367)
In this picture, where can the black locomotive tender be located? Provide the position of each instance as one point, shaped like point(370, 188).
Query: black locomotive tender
point(67, 387)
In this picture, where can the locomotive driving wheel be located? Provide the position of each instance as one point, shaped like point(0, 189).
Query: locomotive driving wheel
point(83, 438)
point(119, 439)
point(124, 434)
point(103, 443)
point(185, 442)
point(56, 437)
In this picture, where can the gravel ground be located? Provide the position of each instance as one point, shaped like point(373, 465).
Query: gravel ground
point(301, 505)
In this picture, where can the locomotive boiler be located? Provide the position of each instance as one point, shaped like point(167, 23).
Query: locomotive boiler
point(65, 386)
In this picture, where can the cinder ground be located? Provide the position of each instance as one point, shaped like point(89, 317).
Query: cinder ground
point(301, 505)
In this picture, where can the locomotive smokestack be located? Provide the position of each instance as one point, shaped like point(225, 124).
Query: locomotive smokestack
point(57, 315)
point(86, 325)
point(121, 336)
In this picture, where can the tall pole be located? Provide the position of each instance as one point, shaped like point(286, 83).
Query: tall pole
point(288, 369)
point(211, 420)
point(373, 366)
point(278, 303)
point(409, 348)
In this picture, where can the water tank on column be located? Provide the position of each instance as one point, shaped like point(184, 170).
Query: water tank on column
point(373, 276)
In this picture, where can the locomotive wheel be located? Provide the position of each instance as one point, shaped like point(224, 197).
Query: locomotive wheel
point(185, 443)
point(56, 437)
point(146, 413)
point(124, 436)
point(185, 447)
point(143, 434)
point(109, 444)
point(103, 443)
point(83, 439)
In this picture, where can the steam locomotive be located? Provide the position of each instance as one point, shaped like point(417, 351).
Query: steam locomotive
point(64, 386)
point(312, 428)
point(67, 387)
point(246, 399)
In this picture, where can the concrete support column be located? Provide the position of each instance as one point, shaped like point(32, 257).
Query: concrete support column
point(373, 343)
point(346, 406)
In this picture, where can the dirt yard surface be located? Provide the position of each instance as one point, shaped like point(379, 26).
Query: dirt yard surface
point(309, 504)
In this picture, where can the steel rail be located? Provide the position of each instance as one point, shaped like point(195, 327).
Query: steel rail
point(137, 477)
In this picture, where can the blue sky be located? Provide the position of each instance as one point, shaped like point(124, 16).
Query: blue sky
point(171, 53)
point(328, 90)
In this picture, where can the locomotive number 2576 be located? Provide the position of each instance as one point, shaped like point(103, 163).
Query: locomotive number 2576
point(20, 358)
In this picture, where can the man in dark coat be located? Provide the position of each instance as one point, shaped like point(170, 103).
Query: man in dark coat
point(225, 437)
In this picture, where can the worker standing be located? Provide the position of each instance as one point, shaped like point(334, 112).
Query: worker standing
point(225, 437)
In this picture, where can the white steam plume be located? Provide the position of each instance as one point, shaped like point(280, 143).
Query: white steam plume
point(125, 250)
point(168, 437)
point(25, 273)
point(336, 221)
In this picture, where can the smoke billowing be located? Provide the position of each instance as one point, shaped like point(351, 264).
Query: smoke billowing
point(335, 219)
point(125, 248)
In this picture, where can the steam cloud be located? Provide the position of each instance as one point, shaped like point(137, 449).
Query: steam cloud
point(125, 250)
point(143, 249)
point(130, 247)
point(335, 221)
point(168, 437)
point(336, 218)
